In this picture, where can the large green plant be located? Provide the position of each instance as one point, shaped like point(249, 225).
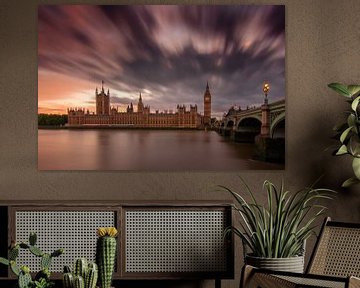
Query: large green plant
point(349, 132)
point(279, 229)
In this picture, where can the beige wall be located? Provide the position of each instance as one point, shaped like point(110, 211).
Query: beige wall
point(322, 46)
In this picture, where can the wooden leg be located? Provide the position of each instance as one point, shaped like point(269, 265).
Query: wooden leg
point(246, 273)
point(217, 283)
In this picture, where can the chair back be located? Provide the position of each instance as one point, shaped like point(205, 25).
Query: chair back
point(337, 251)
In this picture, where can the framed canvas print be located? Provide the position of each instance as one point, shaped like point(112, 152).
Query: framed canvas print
point(161, 87)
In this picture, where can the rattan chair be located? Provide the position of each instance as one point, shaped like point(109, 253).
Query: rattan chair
point(334, 263)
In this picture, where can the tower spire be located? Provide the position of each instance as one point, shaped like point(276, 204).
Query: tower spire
point(207, 85)
point(102, 85)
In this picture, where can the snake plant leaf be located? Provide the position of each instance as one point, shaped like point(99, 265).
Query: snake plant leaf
point(340, 89)
point(342, 150)
point(349, 182)
point(356, 167)
point(355, 103)
point(353, 90)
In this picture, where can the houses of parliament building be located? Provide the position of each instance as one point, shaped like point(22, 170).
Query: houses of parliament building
point(107, 116)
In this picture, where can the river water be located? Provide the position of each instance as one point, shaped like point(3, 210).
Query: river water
point(143, 150)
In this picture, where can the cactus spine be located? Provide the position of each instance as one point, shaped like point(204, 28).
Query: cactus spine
point(106, 254)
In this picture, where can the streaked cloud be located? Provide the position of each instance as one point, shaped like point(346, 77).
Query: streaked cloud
point(166, 52)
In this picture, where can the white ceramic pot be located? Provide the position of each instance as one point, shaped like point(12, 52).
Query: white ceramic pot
point(291, 264)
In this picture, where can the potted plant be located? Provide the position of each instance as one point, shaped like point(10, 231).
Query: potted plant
point(276, 233)
point(349, 132)
point(42, 278)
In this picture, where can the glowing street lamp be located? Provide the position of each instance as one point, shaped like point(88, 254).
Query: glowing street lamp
point(266, 89)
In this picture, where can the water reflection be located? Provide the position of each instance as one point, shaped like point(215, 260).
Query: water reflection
point(156, 150)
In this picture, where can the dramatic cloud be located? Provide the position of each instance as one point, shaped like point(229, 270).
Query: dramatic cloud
point(166, 52)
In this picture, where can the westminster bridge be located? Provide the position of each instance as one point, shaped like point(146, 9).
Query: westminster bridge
point(267, 120)
point(264, 126)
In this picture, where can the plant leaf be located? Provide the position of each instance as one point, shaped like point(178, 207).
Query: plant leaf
point(342, 150)
point(356, 167)
point(349, 182)
point(355, 103)
point(353, 89)
point(340, 89)
point(351, 120)
point(345, 134)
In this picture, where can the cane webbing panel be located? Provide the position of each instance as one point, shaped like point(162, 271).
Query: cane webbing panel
point(313, 282)
point(338, 252)
point(74, 231)
point(175, 241)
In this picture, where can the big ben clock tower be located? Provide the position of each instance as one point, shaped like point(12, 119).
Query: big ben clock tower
point(207, 105)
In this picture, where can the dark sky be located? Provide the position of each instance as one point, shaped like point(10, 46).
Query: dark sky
point(166, 52)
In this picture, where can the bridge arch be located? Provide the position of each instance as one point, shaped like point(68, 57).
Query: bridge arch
point(249, 124)
point(230, 124)
point(247, 129)
point(277, 127)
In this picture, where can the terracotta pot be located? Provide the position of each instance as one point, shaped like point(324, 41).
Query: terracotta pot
point(291, 264)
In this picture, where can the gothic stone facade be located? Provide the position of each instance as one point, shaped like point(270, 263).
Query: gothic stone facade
point(142, 118)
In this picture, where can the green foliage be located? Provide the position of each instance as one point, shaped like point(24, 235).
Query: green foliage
point(42, 278)
point(279, 229)
point(349, 132)
point(52, 119)
point(42, 283)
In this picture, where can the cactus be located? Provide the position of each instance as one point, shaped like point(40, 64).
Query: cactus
point(88, 273)
point(14, 268)
point(36, 251)
point(45, 261)
point(13, 253)
point(80, 268)
point(67, 269)
point(42, 278)
point(32, 238)
point(68, 280)
point(106, 254)
point(44, 273)
point(24, 279)
point(79, 282)
point(57, 253)
point(91, 276)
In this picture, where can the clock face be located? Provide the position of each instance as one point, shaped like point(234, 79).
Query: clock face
point(207, 98)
